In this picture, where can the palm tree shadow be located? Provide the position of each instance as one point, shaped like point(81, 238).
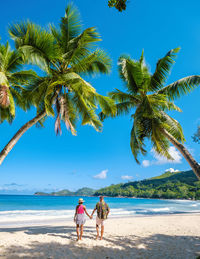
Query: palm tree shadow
point(124, 247)
point(60, 231)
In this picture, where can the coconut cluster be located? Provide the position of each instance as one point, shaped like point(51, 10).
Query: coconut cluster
point(4, 97)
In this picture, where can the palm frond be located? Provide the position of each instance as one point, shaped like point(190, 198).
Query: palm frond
point(10, 60)
point(161, 102)
point(180, 87)
point(133, 73)
point(162, 71)
point(19, 100)
point(137, 139)
point(36, 44)
point(5, 115)
point(159, 141)
point(173, 127)
point(24, 77)
point(120, 96)
point(106, 104)
point(87, 112)
point(3, 79)
point(81, 46)
point(70, 27)
point(94, 63)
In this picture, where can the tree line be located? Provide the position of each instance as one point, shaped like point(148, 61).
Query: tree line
point(183, 185)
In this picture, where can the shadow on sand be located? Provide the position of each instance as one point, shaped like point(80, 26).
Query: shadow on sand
point(134, 247)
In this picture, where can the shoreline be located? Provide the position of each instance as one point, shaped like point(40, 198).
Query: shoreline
point(46, 222)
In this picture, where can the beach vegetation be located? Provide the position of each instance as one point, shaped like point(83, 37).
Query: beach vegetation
point(180, 185)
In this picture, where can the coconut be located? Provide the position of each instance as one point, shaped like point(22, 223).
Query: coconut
point(4, 97)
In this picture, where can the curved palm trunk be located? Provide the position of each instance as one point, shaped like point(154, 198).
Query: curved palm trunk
point(186, 154)
point(19, 134)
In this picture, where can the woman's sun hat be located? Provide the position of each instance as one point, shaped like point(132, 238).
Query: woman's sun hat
point(80, 200)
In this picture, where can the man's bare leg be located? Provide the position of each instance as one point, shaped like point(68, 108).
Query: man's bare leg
point(81, 234)
point(102, 231)
point(97, 228)
point(77, 231)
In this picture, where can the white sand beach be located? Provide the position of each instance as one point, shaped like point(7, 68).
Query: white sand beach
point(168, 236)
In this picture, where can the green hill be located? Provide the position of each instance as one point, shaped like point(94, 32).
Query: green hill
point(85, 192)
point(62, 193)
point(81, 192)
point(178, 185)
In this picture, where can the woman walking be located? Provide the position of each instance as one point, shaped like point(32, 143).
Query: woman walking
point(79, 218)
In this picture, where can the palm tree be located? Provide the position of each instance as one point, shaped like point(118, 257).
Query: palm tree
point(150, 100)
point(64, 55)
point(12, 79)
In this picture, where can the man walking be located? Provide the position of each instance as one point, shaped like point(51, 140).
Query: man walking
point(102, 214)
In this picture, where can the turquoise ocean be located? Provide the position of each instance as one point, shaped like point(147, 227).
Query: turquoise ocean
point(33, 208)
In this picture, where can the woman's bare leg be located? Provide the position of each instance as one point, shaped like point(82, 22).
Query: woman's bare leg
point(81, 234)
point(77, 231)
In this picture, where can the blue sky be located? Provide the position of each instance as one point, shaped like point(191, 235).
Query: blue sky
point(42, 161)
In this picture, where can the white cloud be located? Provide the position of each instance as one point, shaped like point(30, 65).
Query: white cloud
point(146, 163)
point(102, 175)
point(126, 177)
point(161, 160)
point(12, 186)
point(172, 170)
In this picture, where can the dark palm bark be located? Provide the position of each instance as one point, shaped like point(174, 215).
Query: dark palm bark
point(186, 154)
point(19, 134)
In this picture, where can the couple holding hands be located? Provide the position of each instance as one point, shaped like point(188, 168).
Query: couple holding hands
point(102, 213)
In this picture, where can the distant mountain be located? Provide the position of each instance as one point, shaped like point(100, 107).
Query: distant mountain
point(178, 185)
point(81, 192)
point(85, 192)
